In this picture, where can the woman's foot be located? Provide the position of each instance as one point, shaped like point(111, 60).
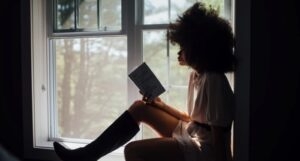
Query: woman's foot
point(71, 155)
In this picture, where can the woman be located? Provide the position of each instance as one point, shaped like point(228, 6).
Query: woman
point(206, 45)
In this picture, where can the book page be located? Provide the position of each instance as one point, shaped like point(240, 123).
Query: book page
point(146, 81)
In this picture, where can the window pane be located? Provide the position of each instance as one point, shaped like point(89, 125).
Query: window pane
point(156, 11)
point(149, 132)
point(217, 4)
point(179, 6)
point(87, 12)
point(110, 14)
point(91, 84)
point(65, 16)
point(178, 97)
point(91, 15)
point(155, 53)
point(173, 76)
point(179, 75)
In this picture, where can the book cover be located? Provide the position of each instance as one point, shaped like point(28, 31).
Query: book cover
point(148, 84)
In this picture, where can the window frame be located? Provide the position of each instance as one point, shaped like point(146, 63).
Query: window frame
point(242, 76)
point(73, 33)
point(41, 33)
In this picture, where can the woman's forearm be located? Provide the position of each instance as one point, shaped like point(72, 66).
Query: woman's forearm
point(158, 103)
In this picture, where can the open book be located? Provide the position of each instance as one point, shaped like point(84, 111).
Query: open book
point(146, 81)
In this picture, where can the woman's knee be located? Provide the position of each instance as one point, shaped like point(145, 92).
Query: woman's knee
point(137, 109)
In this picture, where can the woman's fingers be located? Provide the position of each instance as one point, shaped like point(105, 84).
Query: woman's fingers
point(146, 96)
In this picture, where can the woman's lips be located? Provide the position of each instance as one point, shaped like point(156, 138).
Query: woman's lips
point(179, 59)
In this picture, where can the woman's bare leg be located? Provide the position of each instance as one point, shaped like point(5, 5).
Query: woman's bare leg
point(159, 149)
point(159, 120)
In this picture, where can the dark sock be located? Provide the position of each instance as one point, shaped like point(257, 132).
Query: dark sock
point(66, 154)
point(117, 134)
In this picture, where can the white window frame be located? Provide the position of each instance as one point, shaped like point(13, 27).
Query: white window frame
point(41, 147)
point(41, 32)
point(40, 82)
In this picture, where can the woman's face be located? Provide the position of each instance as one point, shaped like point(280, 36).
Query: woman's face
point(181, 57)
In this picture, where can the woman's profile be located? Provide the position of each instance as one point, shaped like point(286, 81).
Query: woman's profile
point(203, 134)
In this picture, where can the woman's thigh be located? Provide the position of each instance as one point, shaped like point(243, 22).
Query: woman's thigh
point(158, 149)
point(159, 120)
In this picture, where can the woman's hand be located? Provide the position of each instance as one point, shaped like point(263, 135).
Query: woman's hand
point(159, 103)
point(185, 117)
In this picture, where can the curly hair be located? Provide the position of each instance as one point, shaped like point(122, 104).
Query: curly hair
point(206, 39)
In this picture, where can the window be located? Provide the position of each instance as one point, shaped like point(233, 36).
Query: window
point(160, 55)
point(82, 51)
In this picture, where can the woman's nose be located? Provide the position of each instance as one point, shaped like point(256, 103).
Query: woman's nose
point(179, 52)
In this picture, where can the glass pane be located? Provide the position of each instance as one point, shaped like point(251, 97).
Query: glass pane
point(179, 75)
point(177, 97)
point(179, 6)
point(156, 11)
point(87, 12)
point(169, 72)
point(91, 84)
point(92, 15)
point(149, 132)
point(216, 4)
point(155, 53)
point(110, 15)
point(65, 16)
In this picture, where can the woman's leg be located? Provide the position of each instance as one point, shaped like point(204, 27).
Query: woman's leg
point(159, 149)
point(159, 120)
point(121, 131)
point(117, 134)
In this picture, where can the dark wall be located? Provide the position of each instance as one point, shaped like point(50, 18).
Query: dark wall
point(10, 87)
point(275, 42)
point(274, 78)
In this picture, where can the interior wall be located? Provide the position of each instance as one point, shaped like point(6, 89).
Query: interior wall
point(10, 76)
point(275, 40)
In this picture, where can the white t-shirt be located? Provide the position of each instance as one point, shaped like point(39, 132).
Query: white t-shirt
point(210, 99)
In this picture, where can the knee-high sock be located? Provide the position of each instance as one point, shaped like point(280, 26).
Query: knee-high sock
point(116, 135)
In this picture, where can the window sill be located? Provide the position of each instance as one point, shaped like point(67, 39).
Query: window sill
point(48, 154)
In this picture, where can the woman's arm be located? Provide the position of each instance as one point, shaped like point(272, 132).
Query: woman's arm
point(218, 136)
point(158, 103)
